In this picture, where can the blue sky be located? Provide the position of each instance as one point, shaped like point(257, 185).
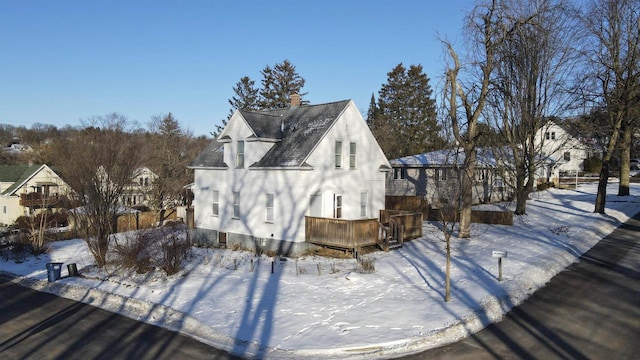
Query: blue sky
point(65, 61)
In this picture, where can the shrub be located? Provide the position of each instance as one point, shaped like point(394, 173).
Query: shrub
point(136, 252)
point(175, 249)
point(366, 265)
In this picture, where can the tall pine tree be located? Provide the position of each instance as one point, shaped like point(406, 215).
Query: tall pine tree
point(246, 97)
point(405, 121)
point(278, 84)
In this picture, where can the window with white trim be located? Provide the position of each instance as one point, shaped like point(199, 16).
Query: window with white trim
point(215, 203)
point(338, 154)
point(240, 154)
point(269, 208)
point(337, 206)
point(236, 204)
point(352, 155)
point(364, 201)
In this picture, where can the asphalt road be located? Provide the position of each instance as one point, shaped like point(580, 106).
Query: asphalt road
point(589, 311)
point(37, 325)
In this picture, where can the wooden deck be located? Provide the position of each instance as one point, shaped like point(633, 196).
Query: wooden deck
point(390, 231)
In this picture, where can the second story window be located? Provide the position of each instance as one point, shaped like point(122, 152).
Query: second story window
point(338, 154)
point(550, 135)
point(567, 156)
point(352, 155)
point(240, 154)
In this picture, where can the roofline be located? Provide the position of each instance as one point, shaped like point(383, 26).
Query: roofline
point(255, 139)
point(333, 123)
point(29, 178)
point(305, 168)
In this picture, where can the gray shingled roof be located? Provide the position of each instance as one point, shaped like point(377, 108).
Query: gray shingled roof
point(299, 130)
point(211, 156)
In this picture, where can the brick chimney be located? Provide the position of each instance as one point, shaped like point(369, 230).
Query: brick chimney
point(295, 100)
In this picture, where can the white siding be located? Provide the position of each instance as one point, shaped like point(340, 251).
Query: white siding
point(292, 189)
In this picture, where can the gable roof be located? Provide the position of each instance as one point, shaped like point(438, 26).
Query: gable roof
point(17, 174)
point(297, 131)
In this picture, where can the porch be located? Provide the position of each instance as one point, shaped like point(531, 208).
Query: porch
point(389, 232)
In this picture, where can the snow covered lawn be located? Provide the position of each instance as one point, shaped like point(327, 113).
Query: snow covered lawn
point(327, 308)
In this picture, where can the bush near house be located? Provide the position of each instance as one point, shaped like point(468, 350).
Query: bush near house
point(163, 248)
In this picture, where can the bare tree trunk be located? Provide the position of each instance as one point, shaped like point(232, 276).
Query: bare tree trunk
point(625, 161)
point(467, 192)
point(521, 195)
point(601, 197)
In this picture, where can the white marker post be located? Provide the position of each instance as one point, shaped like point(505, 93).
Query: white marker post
point(499, 255)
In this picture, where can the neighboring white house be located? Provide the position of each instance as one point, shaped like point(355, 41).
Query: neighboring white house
point(565, 148)
point(267, 170)
point(140, 191)
point(26, 188)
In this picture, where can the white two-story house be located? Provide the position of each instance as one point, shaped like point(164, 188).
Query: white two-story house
point(566, 149)
point(267, 170)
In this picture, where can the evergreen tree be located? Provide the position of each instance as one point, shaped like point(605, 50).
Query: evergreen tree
point(169, 127)
point(373, 112)
point(406, 123)
point(246, 97)
point(278, 84)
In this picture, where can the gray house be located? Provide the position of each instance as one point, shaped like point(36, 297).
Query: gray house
point(436, 176)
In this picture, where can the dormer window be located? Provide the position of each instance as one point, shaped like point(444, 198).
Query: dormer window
point(240, 154)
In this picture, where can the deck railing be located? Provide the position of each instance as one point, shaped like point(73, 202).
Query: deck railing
point(39, 200)
point(411, 222)
point(340, 233)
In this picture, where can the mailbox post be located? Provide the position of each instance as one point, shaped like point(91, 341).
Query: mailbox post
point(499, 255)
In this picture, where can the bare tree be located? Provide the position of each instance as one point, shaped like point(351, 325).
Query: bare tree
point(97, 164)
point(533, 65)
point(612, 49)
point(465, 98)
point(450, 190)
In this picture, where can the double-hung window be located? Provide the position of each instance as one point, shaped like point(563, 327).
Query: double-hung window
point(338, 154)
point(236, 204)
point(240, 154)
point(215, 203)
point(364, 200)
point(352, 155)
point(269, 208)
